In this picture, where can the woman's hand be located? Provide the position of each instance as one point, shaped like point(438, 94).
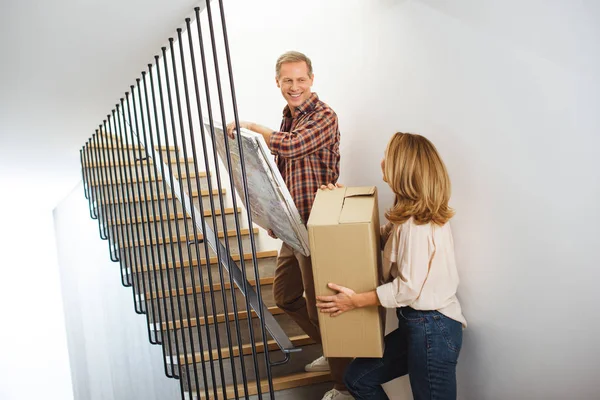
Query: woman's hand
point(338, 303)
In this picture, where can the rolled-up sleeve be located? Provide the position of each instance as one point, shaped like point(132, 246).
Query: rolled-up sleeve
point(306, 138)
point(415, 251)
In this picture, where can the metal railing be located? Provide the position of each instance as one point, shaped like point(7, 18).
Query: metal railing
point(141, 170)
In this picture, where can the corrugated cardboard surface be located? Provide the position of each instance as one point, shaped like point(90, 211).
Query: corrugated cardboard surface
point(343, 231)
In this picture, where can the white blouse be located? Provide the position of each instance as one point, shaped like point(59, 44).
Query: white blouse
point(419, 269)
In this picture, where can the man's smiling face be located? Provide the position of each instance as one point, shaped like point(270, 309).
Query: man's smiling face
point(295, 83)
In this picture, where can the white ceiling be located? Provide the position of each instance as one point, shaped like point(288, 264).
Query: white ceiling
point(63, 66)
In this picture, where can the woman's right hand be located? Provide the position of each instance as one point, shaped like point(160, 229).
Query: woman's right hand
point(339, 303)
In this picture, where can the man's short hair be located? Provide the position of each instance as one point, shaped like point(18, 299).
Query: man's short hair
point(293, 56)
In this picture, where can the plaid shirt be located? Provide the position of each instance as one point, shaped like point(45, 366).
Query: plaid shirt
point(307, 151)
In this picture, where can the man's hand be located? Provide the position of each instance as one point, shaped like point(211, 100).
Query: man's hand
point(231, 128)
point(331, 187)
point(263, 130)
point(270, 233)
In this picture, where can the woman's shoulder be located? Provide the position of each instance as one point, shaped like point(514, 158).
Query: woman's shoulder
point(412, 225)
point(429, 229)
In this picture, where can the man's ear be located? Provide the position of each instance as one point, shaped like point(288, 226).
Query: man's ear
point(277, 82)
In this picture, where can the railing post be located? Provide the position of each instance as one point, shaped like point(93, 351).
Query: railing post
point(101, 206)
point(133, 199)
point(155, 221)
point(111, 216)
point(201, 206)
point(87, 178)
point(174, 199)
point(169, 228)
point(192, 210)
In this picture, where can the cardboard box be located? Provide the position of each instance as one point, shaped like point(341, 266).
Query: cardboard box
point(343, 231)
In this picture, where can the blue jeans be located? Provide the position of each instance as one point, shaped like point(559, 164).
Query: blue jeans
point(425, 346)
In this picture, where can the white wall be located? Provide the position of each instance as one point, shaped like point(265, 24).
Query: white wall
point(509, 93)
point(35, 361)
point(110, 355)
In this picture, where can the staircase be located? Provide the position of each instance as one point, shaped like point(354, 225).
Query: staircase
point(210, 341)
point(185, 244)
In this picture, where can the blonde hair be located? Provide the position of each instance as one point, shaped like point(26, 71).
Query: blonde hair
point(418, 177)
point(293, 56)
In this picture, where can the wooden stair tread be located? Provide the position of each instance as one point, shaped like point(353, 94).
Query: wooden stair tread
point(212, 260)
point(161, 196)
point(297, 341)
point(280, 383)
point(132, 180)
point(183, 238)
point(215, 287)
point(102, 164)
point(180, 215)
point(210, 320)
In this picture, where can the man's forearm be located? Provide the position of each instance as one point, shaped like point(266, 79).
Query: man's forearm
point(263, 130)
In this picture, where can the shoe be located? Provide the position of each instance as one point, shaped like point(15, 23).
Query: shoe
point(335, 394)
point(319, 365)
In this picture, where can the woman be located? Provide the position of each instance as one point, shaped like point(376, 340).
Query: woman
point(420, 276)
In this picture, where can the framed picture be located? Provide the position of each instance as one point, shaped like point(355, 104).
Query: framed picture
point(271, 204)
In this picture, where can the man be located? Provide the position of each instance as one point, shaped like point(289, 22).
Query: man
point(306, 150)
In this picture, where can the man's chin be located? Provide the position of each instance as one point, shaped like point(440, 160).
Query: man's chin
point(295, 102)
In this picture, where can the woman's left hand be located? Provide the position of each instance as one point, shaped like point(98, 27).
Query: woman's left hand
point(338, 303)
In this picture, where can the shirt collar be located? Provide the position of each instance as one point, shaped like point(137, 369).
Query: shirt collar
point(305, 107)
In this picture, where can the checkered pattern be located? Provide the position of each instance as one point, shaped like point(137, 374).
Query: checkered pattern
point(307, 151)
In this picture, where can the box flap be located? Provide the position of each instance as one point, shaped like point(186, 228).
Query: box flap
point(358, 205)
point(327, 207)
point(360, 191)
